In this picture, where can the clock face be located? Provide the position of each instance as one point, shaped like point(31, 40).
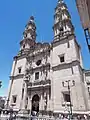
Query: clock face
point(38, 62)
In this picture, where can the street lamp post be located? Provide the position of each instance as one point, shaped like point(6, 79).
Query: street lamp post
point(0, 84)
point(0, 87)
point(69, 85)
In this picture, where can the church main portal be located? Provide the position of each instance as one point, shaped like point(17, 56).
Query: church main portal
point(35, 104)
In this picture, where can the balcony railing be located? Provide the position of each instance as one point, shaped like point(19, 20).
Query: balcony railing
point(42, 83)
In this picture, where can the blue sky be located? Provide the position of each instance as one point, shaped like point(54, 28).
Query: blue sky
point(14, 15)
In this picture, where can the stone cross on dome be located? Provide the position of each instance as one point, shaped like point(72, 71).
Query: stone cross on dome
point(32, 18)
point(60, 1)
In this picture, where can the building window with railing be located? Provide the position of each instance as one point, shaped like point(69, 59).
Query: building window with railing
point(66, 97)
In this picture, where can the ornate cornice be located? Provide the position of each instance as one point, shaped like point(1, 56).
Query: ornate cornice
point(17, 76)
point(21, 55)
point(62, 40)
point(26, 40)
point(65, 65)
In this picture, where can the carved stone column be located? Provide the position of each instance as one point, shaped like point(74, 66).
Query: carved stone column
point(29, 103)
point(41, 103)
point(48, 102)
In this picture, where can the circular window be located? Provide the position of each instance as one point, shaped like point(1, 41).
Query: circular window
point(38, 62)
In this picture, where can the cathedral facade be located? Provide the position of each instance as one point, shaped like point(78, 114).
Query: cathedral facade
point(49, 77)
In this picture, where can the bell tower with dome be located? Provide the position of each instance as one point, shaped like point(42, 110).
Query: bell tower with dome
point(62, 25)
point(29, 35)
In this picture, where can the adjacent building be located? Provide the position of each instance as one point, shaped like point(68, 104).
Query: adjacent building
point(41, 71)
point(83, 7)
